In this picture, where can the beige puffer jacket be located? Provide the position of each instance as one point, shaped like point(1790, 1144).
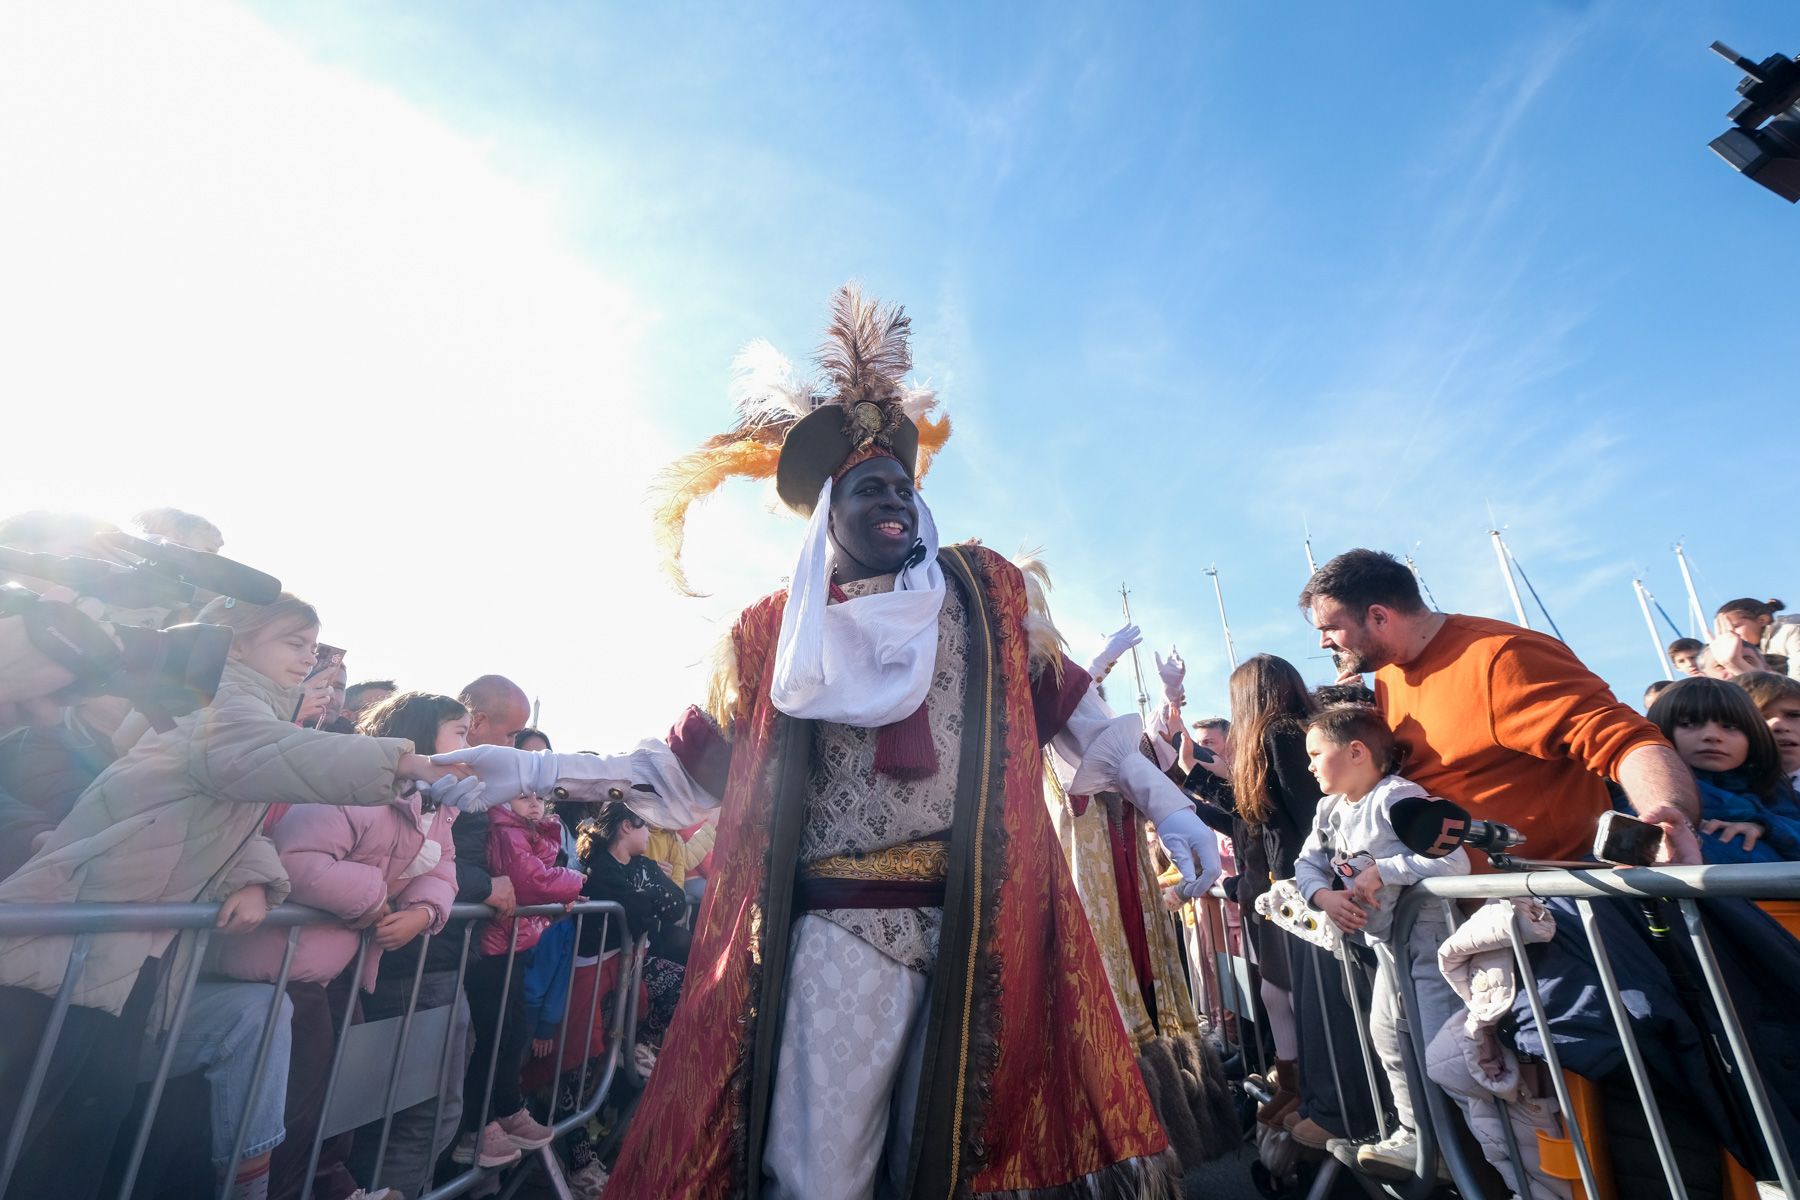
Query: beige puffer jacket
point(178, 819)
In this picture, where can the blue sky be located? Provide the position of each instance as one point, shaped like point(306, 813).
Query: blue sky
point(1191, 278)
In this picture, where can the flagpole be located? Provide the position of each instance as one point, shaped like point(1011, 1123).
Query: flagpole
point(1230, 647)
point(1137, 667)
point(1312, 567)
point(1512, 585)
point(1419, 578)
point(1644, 598)
point(1702, 628)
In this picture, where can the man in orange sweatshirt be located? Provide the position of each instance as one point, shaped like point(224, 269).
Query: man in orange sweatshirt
point(1504, 721)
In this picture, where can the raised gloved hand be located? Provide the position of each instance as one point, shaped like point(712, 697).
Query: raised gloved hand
point(1116, 645)
point(1182, 834)
point(464, 795)
point(1174, 672)
point(505, 771)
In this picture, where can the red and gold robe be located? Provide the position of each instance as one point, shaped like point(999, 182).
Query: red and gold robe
point(1029, 1083)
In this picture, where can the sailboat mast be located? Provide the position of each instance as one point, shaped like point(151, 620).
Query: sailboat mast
point(1644, 599)
point(1230, 647)
point(1512, 585)
point(1702, 628)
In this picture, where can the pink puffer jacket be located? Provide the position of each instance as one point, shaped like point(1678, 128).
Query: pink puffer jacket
point(348, 862)
point(526, 854)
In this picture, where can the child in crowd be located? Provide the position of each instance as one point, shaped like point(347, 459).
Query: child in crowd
point(1777, 697)
point(1747, 808)
point(176, 820)
point(1684, 653)
point(1353, 866)
point(417, 1138)
point(615, 848)
point(387, 867)
point(522, 845)
point(1654, 690)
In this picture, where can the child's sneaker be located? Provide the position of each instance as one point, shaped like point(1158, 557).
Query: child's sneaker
point(587, 1183)
point(526, 1133)
point(1394, 1157)
point(493, 1148)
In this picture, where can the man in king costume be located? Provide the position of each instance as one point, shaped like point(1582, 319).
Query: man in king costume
point(892, 989)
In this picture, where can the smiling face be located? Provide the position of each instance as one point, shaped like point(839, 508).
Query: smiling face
point(874, 520)
point(1712, 745)
point(283, 652)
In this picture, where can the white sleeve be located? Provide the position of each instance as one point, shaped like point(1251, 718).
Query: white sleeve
point(679, 800)
point(1104, 752)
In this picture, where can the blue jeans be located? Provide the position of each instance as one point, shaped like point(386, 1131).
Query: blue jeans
point(223, 1029)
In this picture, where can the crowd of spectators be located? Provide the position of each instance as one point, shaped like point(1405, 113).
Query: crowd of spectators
point(294, 785)
point(297, 785)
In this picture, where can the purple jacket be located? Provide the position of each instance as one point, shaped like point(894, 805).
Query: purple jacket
point(348, 862)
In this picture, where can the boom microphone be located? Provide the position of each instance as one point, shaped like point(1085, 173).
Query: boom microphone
point(1433, 826)
point(208, 572)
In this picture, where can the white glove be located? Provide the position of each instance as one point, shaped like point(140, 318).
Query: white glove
point(505, 771)
point(1187, 839)
point(1116, 645)
point(464, 795)
point(1173, 671)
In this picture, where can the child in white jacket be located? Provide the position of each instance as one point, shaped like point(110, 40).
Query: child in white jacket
point(1353, 866)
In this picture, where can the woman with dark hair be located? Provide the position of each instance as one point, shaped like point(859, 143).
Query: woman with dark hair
point(1756, 623)
point(531, 739)
point(1274, 795)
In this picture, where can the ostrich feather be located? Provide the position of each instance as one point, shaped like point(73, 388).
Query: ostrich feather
point(932, 436)
point(918, 402)
point(865, 353)
point(764, 388)
point(696, 476)
point(1044, 643)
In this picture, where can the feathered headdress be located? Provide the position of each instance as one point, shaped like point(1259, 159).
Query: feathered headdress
point(803, 431)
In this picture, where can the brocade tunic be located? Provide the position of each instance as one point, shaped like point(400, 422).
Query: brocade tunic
point(850, 808)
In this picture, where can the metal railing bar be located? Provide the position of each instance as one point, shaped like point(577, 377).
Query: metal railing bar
point(456, 997)
point(1363, 1043)
point(262, 1063)
point(587, 1045)
point(177, 1019)
point(1755, 881)
point(493, 1067)
point(40, 1063)
point(337, 1059)
point(562, 1027)
point(1740, 1047)
point(1634, 1059)
point(1337, 1082)
point(1553, 1060)
point(393, 1086)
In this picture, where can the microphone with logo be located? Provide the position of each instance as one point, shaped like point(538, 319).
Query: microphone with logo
point(1433, 826)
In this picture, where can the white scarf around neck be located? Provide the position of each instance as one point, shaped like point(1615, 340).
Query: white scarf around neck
point(867, 662)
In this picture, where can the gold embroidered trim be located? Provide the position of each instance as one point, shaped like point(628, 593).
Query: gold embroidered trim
point(912, 862)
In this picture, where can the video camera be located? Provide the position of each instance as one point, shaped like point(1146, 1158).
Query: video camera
point(1765, 142)
point(165, 673)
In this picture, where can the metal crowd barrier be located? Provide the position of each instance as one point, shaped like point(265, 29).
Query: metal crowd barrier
point(1439, 1119)
point(196, 922)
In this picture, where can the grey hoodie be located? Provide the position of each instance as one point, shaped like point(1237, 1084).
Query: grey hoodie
point(1343, 829)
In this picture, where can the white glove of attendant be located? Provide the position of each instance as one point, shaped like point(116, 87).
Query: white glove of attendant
point(1173, 671)
point(1116, 645)
point(505, 771)
point(1187, 839)
point(464, 795)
